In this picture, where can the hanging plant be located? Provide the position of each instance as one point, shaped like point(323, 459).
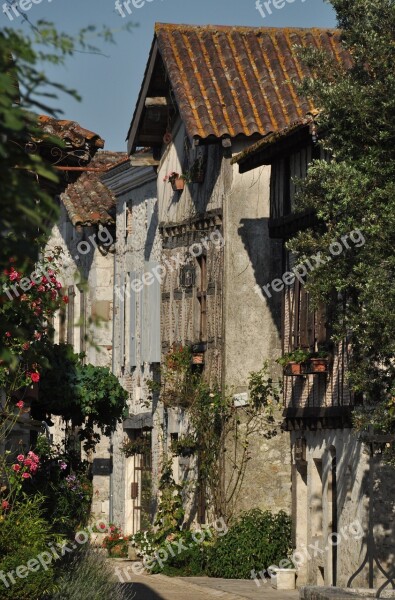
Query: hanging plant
point(140, 445)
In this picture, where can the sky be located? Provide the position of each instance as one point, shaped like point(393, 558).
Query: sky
point(109, 84)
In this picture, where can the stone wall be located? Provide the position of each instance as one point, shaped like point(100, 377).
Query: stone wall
point(87, 272)
point(138, 243)
point(322, 485)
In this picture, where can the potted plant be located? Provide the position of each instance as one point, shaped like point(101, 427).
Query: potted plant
point(319, 362)
point(292, 362)
point(284, 579)
point(116, 543)
point(140, 445)
point(176, 180)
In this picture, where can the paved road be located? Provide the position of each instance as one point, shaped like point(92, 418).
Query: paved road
point(159, 587)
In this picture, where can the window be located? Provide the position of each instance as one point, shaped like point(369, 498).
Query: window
point(82, 320)
point(304, 325)
point(282, 182)
point(70, 315)
point(307, 326)
point(202, 297)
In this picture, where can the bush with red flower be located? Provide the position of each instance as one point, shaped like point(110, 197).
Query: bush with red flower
point(28, 301)
point(15, 474)
point(116, 543)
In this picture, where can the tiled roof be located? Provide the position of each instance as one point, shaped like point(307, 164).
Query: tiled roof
point(231, 81)
point(88, 201)
point(271, 139)
point(70, 132)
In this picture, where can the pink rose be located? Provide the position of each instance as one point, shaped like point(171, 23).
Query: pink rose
point(33, 456)
point(35, 377)
point(20, 458)
point(5, 505)
point(20, 404)
point(26, 475)
point(16, 468)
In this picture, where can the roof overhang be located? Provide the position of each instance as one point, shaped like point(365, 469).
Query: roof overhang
point(154, 106)
point(273, 145)
point(140, 421)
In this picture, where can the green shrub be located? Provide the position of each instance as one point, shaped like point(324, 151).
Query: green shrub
point(35, 586)
point(24, 534)
point(24, 526)
point(188, 562)
point(87, 576)
point(256, 541)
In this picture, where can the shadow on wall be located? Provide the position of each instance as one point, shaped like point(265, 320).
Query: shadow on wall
point(265, 255)
point(201, 194)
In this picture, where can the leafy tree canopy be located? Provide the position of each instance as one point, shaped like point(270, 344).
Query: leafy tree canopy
point(356, 190)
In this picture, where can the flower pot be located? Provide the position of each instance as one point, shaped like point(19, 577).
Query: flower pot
point(132, 554)
point(198, 359)
point(293, 368)
point(177, 184)
point(284, 579)
point(318, 365)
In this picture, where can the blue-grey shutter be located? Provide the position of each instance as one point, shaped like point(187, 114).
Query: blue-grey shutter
point(122, 320)
point(155, 302)
point(150, 322)
point(133, 322)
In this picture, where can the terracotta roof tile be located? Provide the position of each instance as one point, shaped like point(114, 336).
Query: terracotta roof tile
point(88, 201)
point(231, 81)
point(70, 132)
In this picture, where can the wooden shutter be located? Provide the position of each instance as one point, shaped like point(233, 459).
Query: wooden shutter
point(321, 332)
point(303, 319)
point(133, 321)
point(150, 321)
point(122, 320)
point(155, 302)
point(70, 316)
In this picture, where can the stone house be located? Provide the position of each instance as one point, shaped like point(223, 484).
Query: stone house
point(207, 94)
point(136, 341)
point(78, 148)
point(86, 234)
point(342, 494)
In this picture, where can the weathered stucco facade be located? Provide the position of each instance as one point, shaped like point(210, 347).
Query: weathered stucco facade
point(241, 331)
point(136, 332)
point(342, 493)
point(87, 275)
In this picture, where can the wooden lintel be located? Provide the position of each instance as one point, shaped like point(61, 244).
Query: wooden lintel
point(158, 102)
point(143, 159)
